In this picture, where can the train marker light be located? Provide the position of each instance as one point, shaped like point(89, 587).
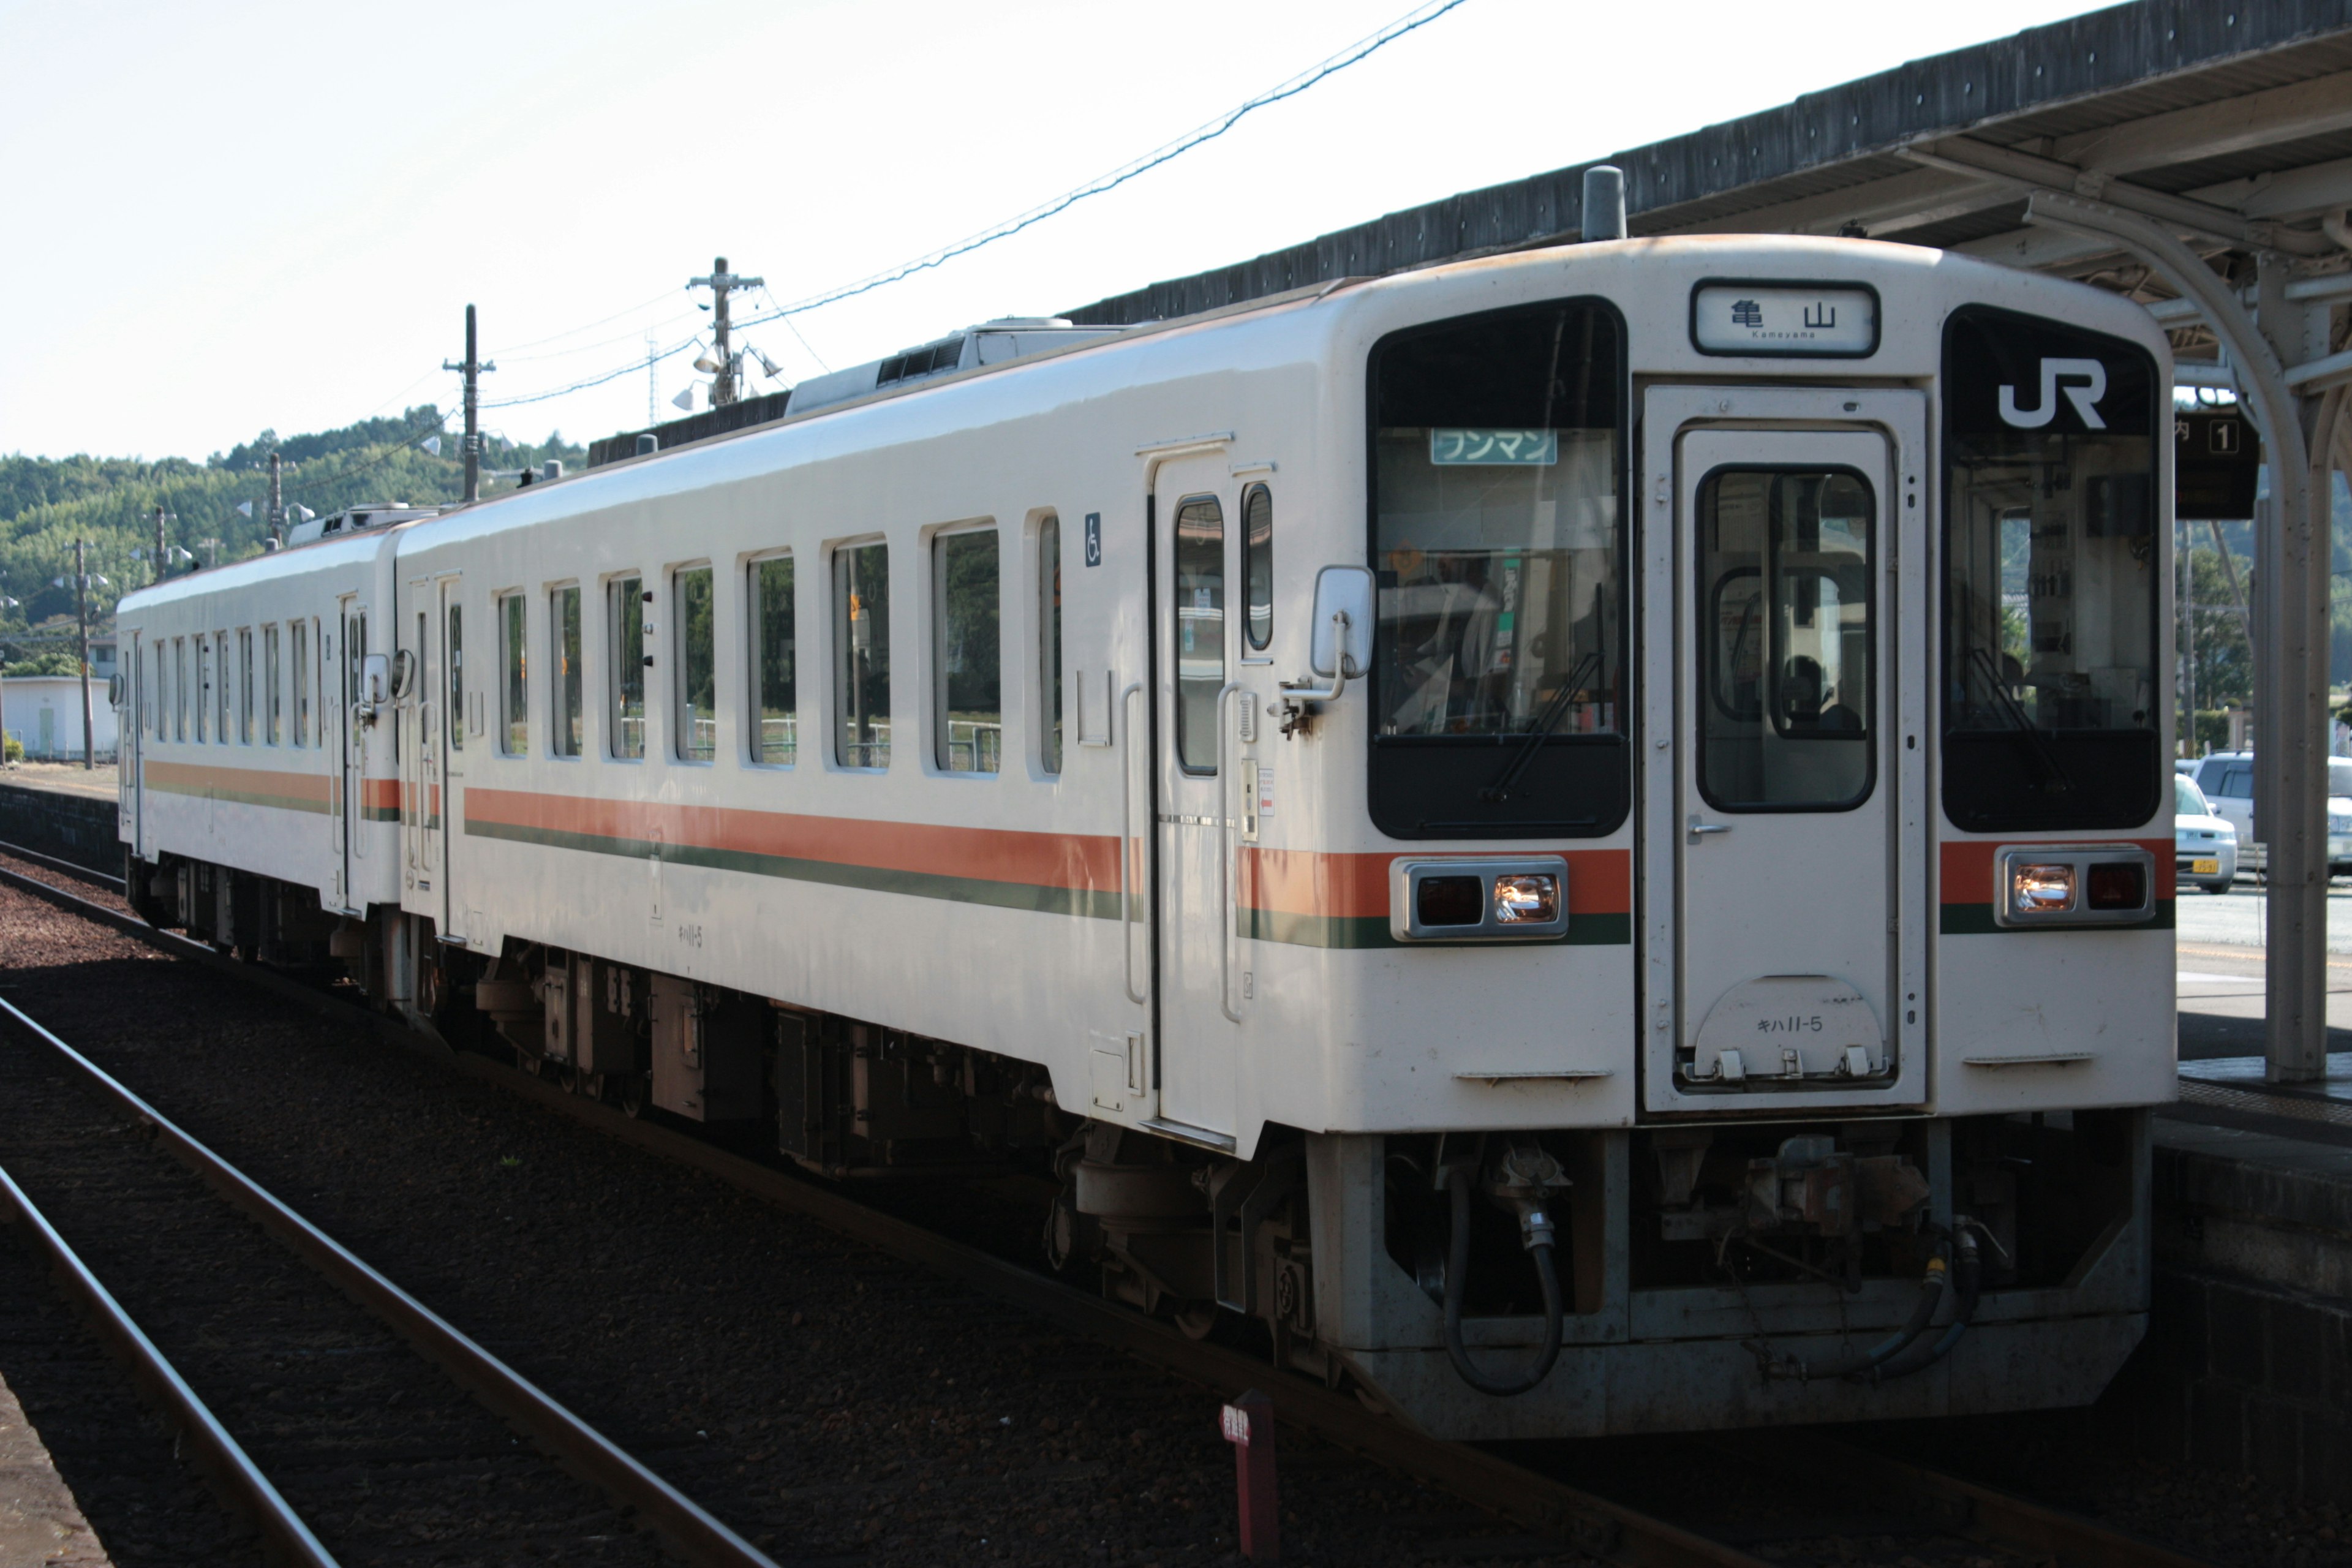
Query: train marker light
point(1447, 902)
point(2119, 885)
point(1526, 897)
point(2041, 889)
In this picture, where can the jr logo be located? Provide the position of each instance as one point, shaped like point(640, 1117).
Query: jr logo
point(2090, 373)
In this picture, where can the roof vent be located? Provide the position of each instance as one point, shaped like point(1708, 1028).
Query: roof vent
point(928, 360)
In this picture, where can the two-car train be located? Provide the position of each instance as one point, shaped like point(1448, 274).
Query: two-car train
point(1578, 840)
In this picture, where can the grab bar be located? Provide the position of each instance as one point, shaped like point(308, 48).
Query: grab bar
point(1125, 834)
point(1227, 849)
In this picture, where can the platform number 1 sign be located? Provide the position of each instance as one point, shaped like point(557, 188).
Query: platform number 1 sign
point(1094, 539)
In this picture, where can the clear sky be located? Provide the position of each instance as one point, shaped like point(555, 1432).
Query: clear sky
point(249, 214)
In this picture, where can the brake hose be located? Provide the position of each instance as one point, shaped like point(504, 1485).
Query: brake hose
point(1969, 1275)
point(1539, 1239)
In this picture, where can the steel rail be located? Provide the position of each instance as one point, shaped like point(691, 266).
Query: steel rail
point(700, 1537)
point(1591, 1523)
point(1999, 1517)
point(71, 868)
point(231, 1466)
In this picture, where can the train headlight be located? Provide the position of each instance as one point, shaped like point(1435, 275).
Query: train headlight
point(2045, 890)
point(2073, 885)
point(1469, 899)
point(1529, 898)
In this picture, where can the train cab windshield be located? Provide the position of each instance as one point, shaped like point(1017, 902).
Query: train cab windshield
point(1498, 549)
point(2051, 580)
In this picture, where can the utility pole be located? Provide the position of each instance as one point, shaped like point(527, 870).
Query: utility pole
point(81, 614)
point(277, 518)
point(720, 283)
point(473, 367)
point(652, 382)
point(159, 541)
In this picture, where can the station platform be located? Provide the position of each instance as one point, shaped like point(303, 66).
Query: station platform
point(40, 1522)
point(63, 778)
point(2247, 1366)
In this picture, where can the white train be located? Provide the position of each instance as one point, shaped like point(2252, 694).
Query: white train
point(1579, 839)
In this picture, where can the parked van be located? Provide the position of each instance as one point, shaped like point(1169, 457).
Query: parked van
point(2227, 779)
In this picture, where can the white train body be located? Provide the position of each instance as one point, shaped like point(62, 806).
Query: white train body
point(1744, 728)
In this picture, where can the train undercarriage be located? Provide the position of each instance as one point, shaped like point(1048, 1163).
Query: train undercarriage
point(1567, 1282)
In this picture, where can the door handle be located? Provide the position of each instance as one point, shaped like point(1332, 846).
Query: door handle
point(1699, 830)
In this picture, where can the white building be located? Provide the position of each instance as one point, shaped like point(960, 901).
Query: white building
point(43, 711)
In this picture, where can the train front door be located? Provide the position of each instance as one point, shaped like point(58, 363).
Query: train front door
point(1785, 644)
point(1194, 649)
point(130, 730)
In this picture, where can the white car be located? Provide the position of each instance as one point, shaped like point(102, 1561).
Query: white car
point(2205, 846)
point(2226, 779)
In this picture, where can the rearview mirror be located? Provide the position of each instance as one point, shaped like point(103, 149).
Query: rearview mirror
point(403, 675)
point(114, 692)
point(1348, 591)
point(375, 679)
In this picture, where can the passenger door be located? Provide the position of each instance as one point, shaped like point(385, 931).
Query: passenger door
point(1195, 648)
point(441, 743)
point(1785, 643)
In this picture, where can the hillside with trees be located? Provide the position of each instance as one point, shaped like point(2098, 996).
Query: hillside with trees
point(47, 503)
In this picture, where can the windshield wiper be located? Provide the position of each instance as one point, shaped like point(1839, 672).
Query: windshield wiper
point(1554, 710)
point(2059, 782)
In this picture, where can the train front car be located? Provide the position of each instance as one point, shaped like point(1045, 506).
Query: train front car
point(1729, 895)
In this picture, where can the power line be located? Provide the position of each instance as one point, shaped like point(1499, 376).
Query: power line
point(631, 368)
point(398, 446)
point(1363, 48)
point(1413, 20)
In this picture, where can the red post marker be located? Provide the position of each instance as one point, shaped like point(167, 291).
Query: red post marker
point(1249, 1426)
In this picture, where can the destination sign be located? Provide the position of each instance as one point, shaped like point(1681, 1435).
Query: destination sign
point(1784, 319)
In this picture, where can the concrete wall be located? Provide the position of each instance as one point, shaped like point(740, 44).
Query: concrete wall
point(2248, 1361)
point(77, 827)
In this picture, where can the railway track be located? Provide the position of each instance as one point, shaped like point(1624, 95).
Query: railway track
point(1912, 1505)
point(327, 1374)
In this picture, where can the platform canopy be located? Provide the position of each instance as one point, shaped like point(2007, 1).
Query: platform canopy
point(2229, 122)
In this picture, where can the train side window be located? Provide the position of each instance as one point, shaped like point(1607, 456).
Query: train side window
point(273, 709)
point(180, 689)
point(1199, 623)
point(151, 713)
point(299, 649)
point(969, 737)
point(696, 710)
point(204, 686)
point(514, 691)
point(775, 675)
point(457, 719)
point(861, 656)
point(245, 695)
point(625, 621)
point(228, 709)
point(1257, 564)
point(1049, 641)
point(564, 691)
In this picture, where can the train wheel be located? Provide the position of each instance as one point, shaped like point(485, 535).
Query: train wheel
point(1196, 1319)
point(633, 1094)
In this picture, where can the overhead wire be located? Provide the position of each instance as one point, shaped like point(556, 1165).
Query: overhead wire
point(398, 446)
point(1363, 48)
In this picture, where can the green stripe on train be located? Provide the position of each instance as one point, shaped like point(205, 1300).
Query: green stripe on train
point(1092, 903)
